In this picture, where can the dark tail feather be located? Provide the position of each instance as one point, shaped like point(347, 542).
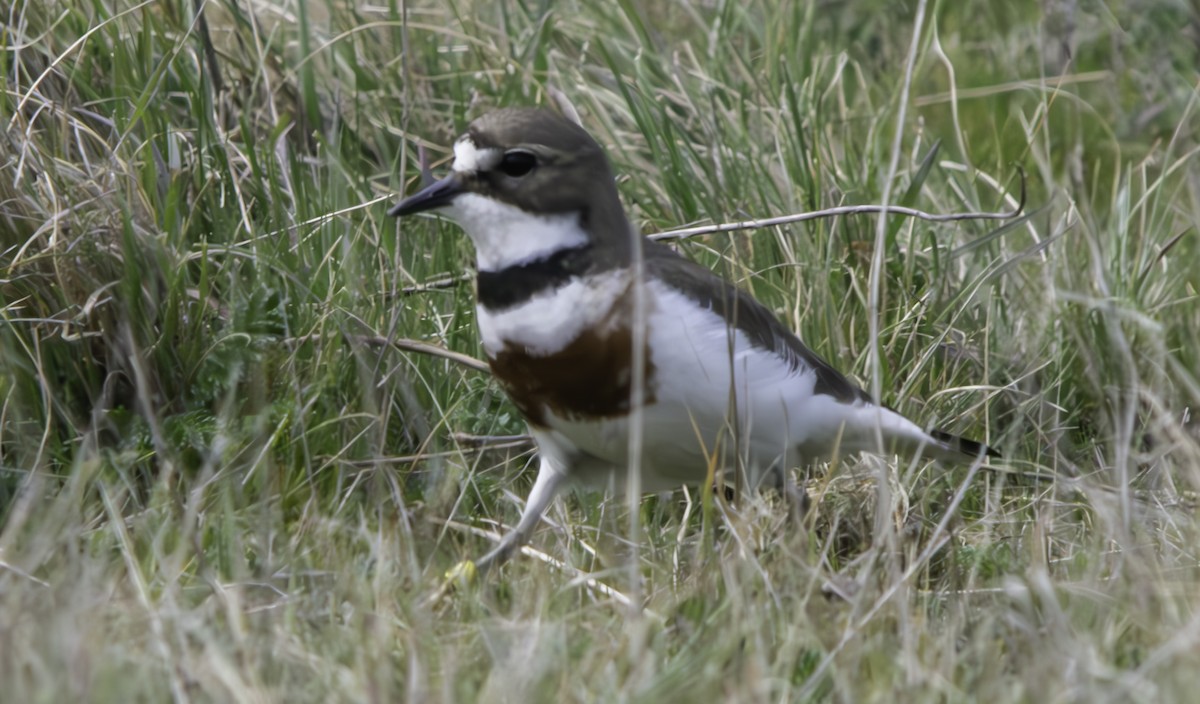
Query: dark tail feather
point(963, 445)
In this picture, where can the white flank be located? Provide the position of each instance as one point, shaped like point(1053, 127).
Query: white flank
point(692, 416)
point(506, 236)
point(552, 319)
point(470, 159)
point(779, 417)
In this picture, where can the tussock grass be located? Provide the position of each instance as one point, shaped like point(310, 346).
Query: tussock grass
point(217, 484)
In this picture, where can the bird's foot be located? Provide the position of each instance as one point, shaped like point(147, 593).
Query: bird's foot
point(462, 576)
point(464, 573)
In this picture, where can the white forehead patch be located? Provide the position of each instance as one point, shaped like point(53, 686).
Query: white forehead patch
point(469, 158)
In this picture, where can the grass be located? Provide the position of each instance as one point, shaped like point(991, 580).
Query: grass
point(218, 482)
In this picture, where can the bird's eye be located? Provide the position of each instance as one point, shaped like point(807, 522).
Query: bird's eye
point(517, 163)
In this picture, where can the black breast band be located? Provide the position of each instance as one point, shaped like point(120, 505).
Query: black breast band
point(514, 285)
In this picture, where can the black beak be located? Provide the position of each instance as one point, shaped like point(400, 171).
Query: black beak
point(435, 195)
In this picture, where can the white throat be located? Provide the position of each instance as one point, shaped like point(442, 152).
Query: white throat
point(505, 235)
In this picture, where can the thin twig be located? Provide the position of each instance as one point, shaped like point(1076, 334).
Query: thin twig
point(408, 345)
point(839, 211)
point(436, 284)
point(465, 360)
point(22, 573)
point(521, 442)
point(491, 441)
point(576, 574)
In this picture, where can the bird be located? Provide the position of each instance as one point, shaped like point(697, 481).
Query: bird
point(595, 331)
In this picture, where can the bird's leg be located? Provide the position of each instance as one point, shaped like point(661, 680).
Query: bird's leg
point(545, 488)
point(796, 497)
point(725, 490)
